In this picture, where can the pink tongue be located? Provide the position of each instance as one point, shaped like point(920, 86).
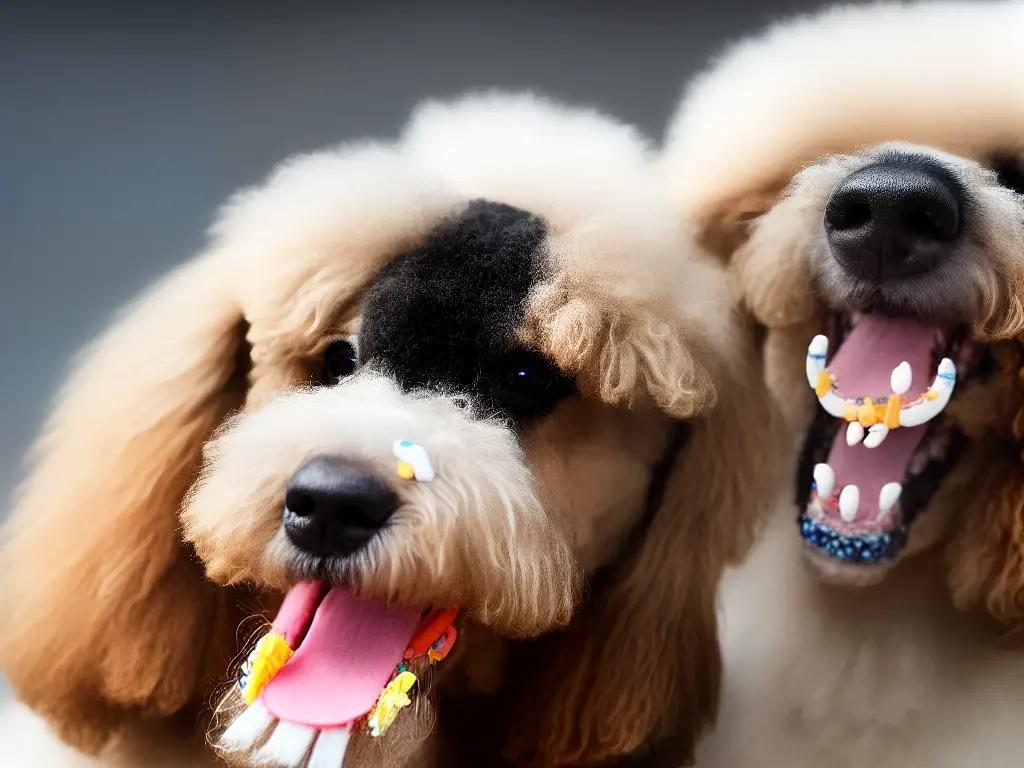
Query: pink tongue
point(346, 658)
point(862, 367)
point(871, 468)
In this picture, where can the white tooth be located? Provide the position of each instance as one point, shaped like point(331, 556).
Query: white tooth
point(854, 433)
point(901, 378)
point(888, 497)
point(947, 372)
point(825, 479)
point(849, 500)
point(819, 345)
point(248, 729)
point(817, 352)
point(876, 435)
point(923, 409)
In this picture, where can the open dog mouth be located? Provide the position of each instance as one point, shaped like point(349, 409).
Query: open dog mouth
point(345, 649)
point(333, 663)
point(881, 443)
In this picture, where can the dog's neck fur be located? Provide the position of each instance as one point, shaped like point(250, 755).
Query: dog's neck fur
point(889, 675)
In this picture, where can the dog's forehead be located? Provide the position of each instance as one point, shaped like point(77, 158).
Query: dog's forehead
point(440, 314)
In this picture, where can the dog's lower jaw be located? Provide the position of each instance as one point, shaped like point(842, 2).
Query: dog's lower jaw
point(841, 574)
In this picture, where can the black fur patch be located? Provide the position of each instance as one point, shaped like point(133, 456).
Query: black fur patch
point(445, 315)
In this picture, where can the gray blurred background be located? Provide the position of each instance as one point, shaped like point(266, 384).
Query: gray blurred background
point(124, 124)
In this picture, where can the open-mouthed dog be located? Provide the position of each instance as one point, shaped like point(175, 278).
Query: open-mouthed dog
point(917, 256)
point(865, 627)
point(478, 367)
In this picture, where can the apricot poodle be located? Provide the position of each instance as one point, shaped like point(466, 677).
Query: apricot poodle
point(508, 289)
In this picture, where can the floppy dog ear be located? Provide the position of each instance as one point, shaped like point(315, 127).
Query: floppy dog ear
point(772, 267)
point(725, 227)
point(106, 613)
point(626, 343)
point(628, 359)
point(640, 665)
point(986, 555)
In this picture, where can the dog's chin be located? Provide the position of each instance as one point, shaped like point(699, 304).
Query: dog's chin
point(841, 573)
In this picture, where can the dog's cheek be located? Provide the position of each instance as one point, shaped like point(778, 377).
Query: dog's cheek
point(589, 488)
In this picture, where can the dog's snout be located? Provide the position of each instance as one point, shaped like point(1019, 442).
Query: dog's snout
point(895, 219)
point(333, 507)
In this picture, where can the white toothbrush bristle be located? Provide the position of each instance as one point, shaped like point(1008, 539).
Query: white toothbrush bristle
point(329, 750)
point(287, 746)
point(248, 729)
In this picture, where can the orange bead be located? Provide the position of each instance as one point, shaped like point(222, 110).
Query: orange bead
point(866, 415)
point(892, 412)
point(824, 385)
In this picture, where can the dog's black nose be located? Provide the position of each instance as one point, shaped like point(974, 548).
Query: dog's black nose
point(333, 507)
point(895, 219)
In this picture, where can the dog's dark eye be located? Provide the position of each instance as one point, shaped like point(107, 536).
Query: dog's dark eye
point(528, 372)
point(526, 386)
point(339, 361)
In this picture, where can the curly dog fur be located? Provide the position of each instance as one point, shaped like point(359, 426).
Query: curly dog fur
point(210, 383)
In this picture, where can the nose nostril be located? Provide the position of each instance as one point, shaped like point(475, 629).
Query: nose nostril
point(299, 503)
point(921, 223)
point(848, 214)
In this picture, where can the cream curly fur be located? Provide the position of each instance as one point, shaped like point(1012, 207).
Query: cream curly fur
point(934, 73)
point(208, 376)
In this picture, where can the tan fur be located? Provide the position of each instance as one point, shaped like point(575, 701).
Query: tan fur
point(95, 571)
point(626, 340)
point(642, 658)
point(986, 550)
point(987, 556)
point(175, 393)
